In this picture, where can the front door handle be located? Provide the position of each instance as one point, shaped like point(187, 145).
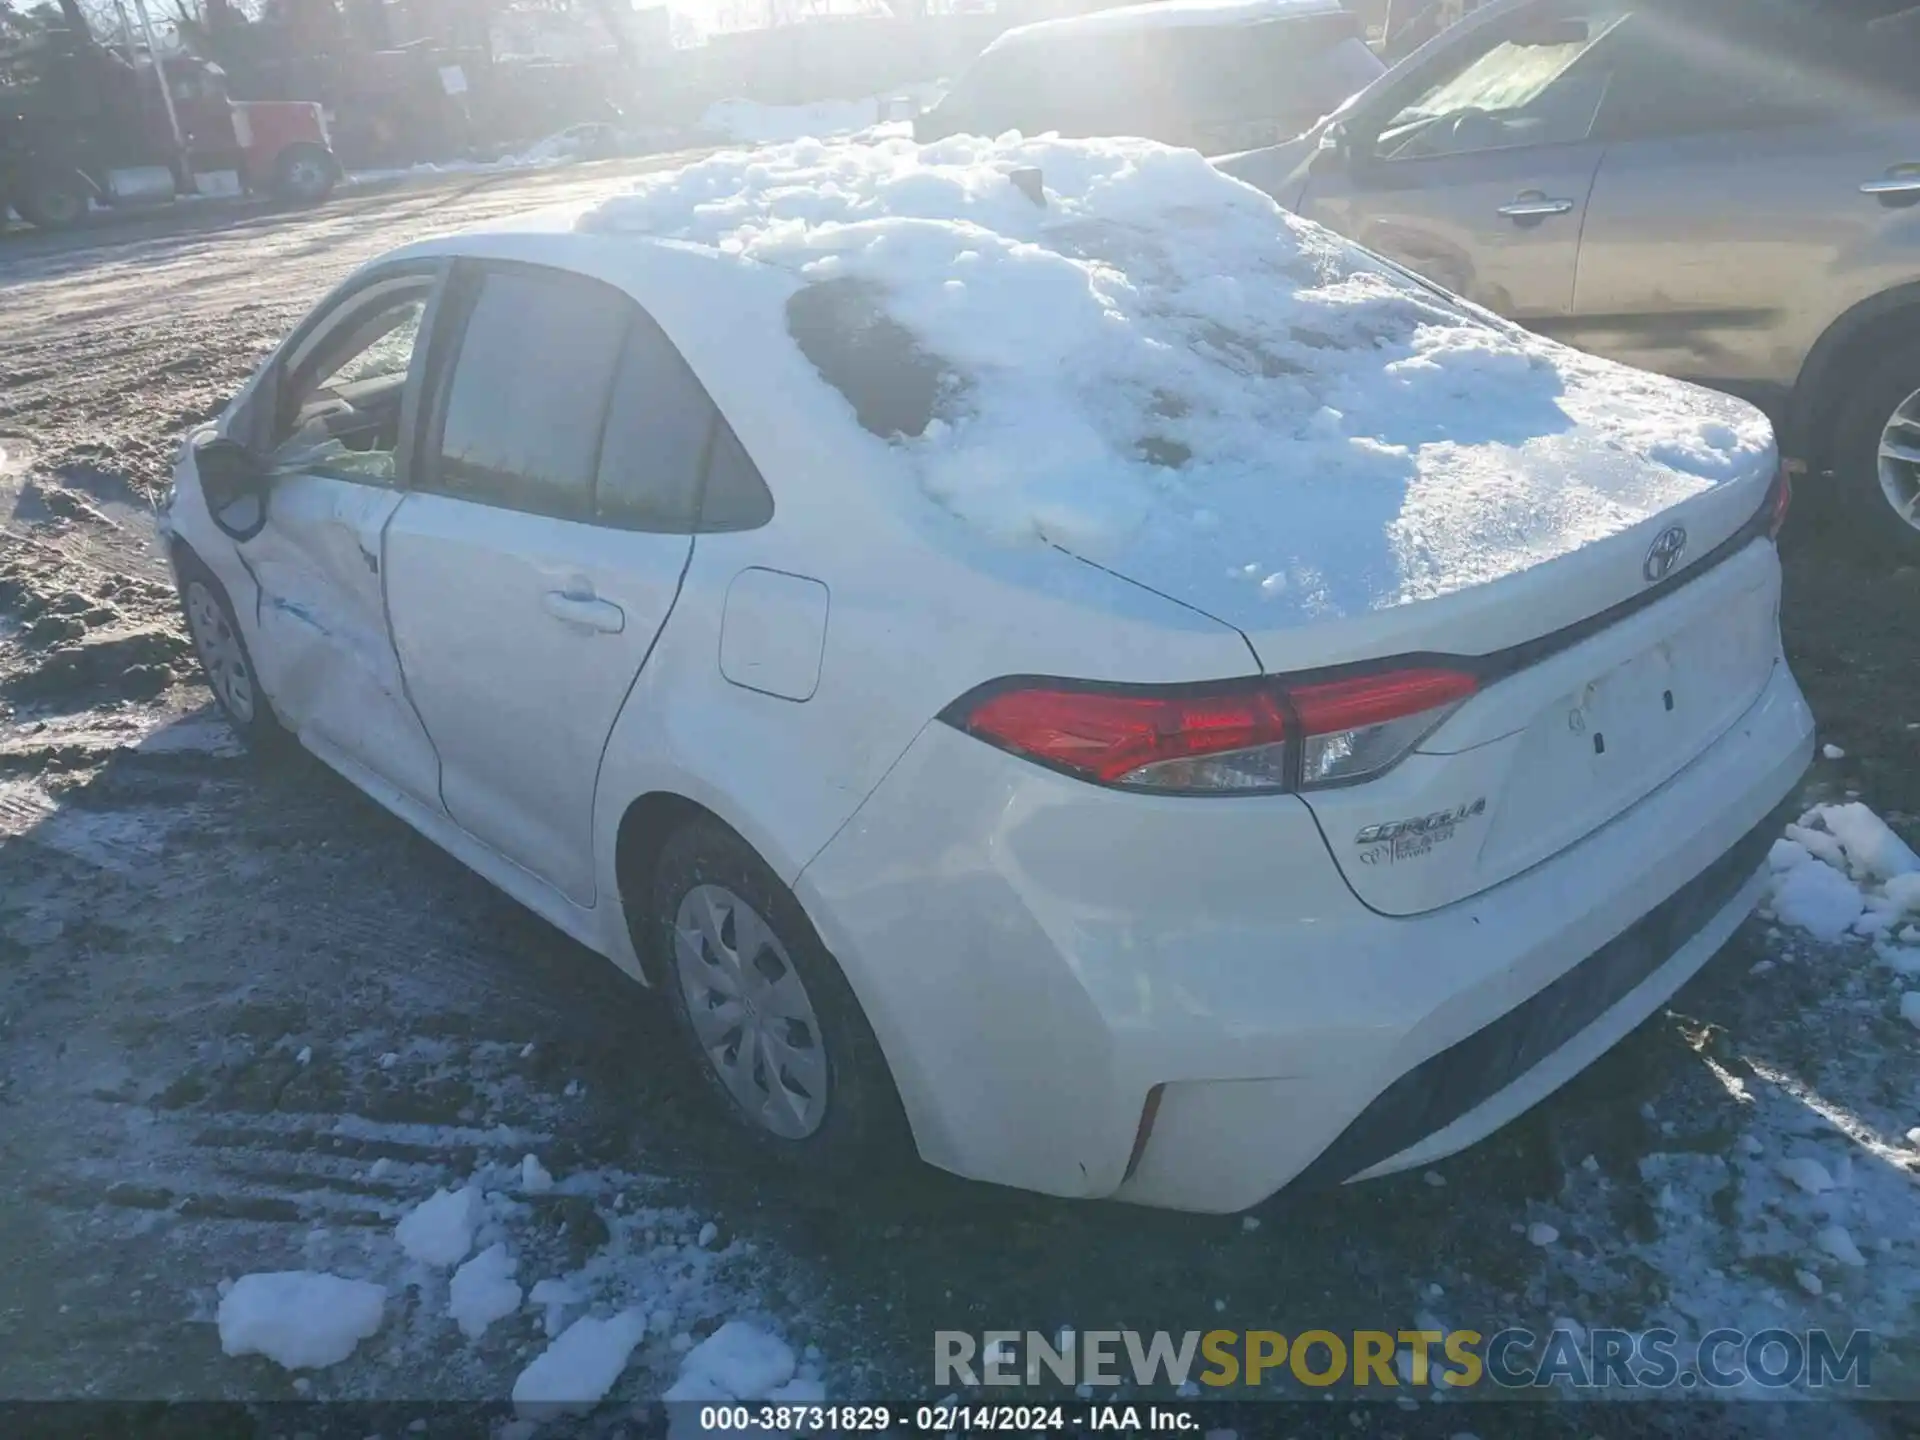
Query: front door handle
point(1534, 205)
point(587, 611)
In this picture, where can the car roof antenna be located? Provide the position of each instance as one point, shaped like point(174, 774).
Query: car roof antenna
point(1027, 181)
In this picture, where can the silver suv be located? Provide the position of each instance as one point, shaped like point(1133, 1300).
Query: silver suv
point(1722, 190)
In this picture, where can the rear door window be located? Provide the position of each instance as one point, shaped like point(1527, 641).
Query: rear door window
point(520, 418)
point(1687, 74)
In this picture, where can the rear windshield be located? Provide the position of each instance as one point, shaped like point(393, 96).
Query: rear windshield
point(900, 385)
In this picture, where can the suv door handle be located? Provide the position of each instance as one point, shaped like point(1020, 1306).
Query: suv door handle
point(1899, 181)
point(587, 611)
point(1533, 205)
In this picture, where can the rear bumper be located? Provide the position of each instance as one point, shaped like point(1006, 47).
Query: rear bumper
point(1037, 956)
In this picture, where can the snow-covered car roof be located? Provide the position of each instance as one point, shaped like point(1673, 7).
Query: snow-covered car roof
point(1156, 368)
point(1158, 350)
point(1162, 15)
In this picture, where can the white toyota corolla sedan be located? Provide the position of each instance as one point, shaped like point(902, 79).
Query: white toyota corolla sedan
point(1027, 647)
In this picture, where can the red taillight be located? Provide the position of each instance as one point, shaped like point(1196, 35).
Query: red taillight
point(1336, 705)
point(1237, 737)
point(1106, 734)
point(1782, 499)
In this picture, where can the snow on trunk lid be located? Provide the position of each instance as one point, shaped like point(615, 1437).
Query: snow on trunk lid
point(1156, 368)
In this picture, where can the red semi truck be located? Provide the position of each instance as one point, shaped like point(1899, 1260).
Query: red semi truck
point(81, 123)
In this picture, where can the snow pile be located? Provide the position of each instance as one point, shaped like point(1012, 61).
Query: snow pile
point(483, 1291)
point(535, 1178)
point(1160, 368)
point(299, 1319)
point(590, 141)
point(576, 1371)
point(439, 1230)
point(740, 1361)
point(1842, 871)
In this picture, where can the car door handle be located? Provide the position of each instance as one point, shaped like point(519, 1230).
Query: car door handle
point(1900, 181)
point(1534, 206)
point(587, 611)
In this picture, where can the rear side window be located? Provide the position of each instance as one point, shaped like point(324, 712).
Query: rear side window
point(736, 497)
point(523, 406)
point(659, 425)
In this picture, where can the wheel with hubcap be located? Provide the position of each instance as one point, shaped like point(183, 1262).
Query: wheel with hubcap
point(53, 200)
point(1900, 460)
point(775, 1029)
point(1877, 452)
point(222, 652)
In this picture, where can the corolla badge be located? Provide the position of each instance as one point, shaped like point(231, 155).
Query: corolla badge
point(1665, 552)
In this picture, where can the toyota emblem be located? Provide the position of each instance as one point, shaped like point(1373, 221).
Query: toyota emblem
point(1664, 553)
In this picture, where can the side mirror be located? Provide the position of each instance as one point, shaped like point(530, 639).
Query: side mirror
point(234, 482)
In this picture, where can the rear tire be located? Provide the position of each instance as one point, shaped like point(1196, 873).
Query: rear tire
point(1878, 424)
point(774, 1029)
point(304, 174)
point(53, 200)
point(224, 658)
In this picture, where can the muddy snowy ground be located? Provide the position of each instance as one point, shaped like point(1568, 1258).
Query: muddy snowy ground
point(248, 1021)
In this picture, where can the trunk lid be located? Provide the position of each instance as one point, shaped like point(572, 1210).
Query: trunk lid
point(1554, 750)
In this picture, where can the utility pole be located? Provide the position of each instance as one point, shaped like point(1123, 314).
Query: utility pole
point(126, 35)
point(166, 96)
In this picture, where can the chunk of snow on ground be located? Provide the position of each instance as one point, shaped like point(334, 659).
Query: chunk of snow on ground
point(738, 1361)
point(576, 1371)
point(1540, 1233)
point(439, 1230)
point(1808, 1281)
point(1873, 851)
point(1835, 1241)
point(534, 1177)
point(1809, 1174)
point(1818, 899)
point(709, 1232)
point(1159, 342)
point(555, 1296)
point(1910, 1008)
point(299, 1319)
point(1833, 752)
point(305, 1057)
point(483, 1291)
